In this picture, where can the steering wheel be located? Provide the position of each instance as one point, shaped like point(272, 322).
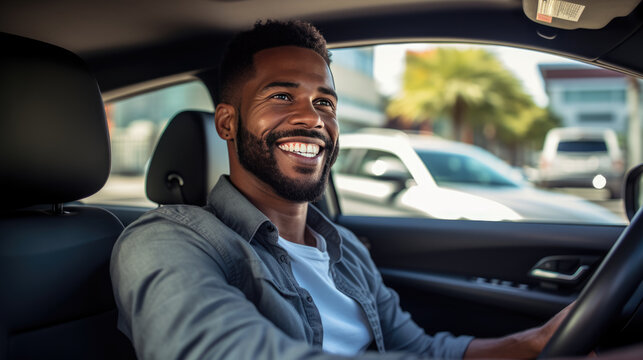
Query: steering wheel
point(604, 296)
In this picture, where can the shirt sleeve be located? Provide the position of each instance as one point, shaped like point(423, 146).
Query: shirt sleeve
point(399, 331)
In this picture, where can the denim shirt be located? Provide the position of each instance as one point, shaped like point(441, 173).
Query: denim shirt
point(212, 283)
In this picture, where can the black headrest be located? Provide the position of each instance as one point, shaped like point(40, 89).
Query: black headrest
point(54, 143)
point(187, 160)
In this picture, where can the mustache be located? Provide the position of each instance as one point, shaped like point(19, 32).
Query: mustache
point(272, 138)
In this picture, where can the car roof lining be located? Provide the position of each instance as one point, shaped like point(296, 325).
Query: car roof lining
point(143, 22)
point(196, 49)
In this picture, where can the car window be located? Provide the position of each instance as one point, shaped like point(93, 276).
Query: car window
point(463, 126)
point(135, 125)
point(582, 146)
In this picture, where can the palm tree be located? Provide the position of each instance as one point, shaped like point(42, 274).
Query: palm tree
point(471, 87)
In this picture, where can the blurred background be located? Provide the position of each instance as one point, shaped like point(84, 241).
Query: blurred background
point(545, 124)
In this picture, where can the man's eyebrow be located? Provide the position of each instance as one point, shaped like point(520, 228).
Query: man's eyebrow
point(286, 84)
point(327, 91)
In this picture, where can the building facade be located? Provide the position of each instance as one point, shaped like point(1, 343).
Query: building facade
point(588, 96)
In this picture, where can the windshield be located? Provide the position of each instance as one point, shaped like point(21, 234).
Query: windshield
point(449, 168)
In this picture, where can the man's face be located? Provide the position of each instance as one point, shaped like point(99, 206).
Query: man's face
point(287, 127)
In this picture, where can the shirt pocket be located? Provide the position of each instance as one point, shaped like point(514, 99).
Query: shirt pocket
point(276, 301)
point(264, 277)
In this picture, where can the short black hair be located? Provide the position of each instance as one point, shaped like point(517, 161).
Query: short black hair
point(237, 61)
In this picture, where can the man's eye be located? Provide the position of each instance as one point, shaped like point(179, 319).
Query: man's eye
point(325, 102)
point(281, 96)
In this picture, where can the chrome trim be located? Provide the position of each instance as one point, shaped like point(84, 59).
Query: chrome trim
point(552, 275)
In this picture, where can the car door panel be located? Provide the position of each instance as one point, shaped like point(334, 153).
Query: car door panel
point(460, 305)
point(473, 276)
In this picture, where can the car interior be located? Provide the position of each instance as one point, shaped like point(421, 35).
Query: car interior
point(61, 61)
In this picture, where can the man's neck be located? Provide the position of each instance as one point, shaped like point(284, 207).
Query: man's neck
point(290, 221)
point(289, 217)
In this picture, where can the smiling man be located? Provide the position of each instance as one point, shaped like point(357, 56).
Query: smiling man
point(280, 122)
point(259, 273)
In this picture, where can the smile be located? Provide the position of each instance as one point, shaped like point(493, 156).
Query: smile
point(299, 148)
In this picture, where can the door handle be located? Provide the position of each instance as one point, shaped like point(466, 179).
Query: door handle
point(565, 269)
point(554, 275)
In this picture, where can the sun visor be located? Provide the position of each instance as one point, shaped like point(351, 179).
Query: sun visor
point(577, 14)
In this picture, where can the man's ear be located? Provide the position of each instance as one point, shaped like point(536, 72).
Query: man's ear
point(225, 119)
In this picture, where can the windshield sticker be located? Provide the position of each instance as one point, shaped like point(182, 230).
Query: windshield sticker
point(549, 9)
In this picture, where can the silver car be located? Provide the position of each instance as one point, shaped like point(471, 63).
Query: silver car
point(582, 157)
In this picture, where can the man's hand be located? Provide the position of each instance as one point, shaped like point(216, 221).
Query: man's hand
point(543, 334)
point(523, 345)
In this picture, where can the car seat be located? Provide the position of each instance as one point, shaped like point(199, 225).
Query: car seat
point(188, 160)
point(56, 299)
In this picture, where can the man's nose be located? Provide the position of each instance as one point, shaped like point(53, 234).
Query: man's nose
point(307, 115)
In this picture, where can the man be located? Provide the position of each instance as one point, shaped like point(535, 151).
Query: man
point(258, 272)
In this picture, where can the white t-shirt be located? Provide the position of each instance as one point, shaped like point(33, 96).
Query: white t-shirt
point(344, 323)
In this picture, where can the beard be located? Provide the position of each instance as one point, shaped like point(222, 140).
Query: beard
point(258, 157)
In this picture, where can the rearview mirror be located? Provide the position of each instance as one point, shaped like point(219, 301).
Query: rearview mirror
point(633, 195)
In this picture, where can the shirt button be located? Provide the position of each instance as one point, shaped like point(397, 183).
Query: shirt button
point(309, 299)
point(283, 258)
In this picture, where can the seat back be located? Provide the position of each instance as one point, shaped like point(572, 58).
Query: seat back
point(188, 160)
point(56, 299)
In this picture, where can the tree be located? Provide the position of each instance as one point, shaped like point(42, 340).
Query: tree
point(527, 129)
point(470, 87)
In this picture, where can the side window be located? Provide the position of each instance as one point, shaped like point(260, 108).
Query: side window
point(485, 133)
point(135, 125)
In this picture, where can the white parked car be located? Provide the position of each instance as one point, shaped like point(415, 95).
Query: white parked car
point(395, 173)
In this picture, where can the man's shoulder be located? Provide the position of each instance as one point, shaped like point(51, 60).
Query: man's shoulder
point(174, 226)
point(169, 235)
point(187, 215)
point(176, 217)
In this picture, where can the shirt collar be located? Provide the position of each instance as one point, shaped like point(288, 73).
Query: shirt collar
point(234, 210)
point(324, 227)
point(231, 207)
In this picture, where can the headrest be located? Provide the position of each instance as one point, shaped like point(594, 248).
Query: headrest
point(187, 160)
point(54, 144)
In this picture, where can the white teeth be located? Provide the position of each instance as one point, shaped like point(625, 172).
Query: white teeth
point(307, 150)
